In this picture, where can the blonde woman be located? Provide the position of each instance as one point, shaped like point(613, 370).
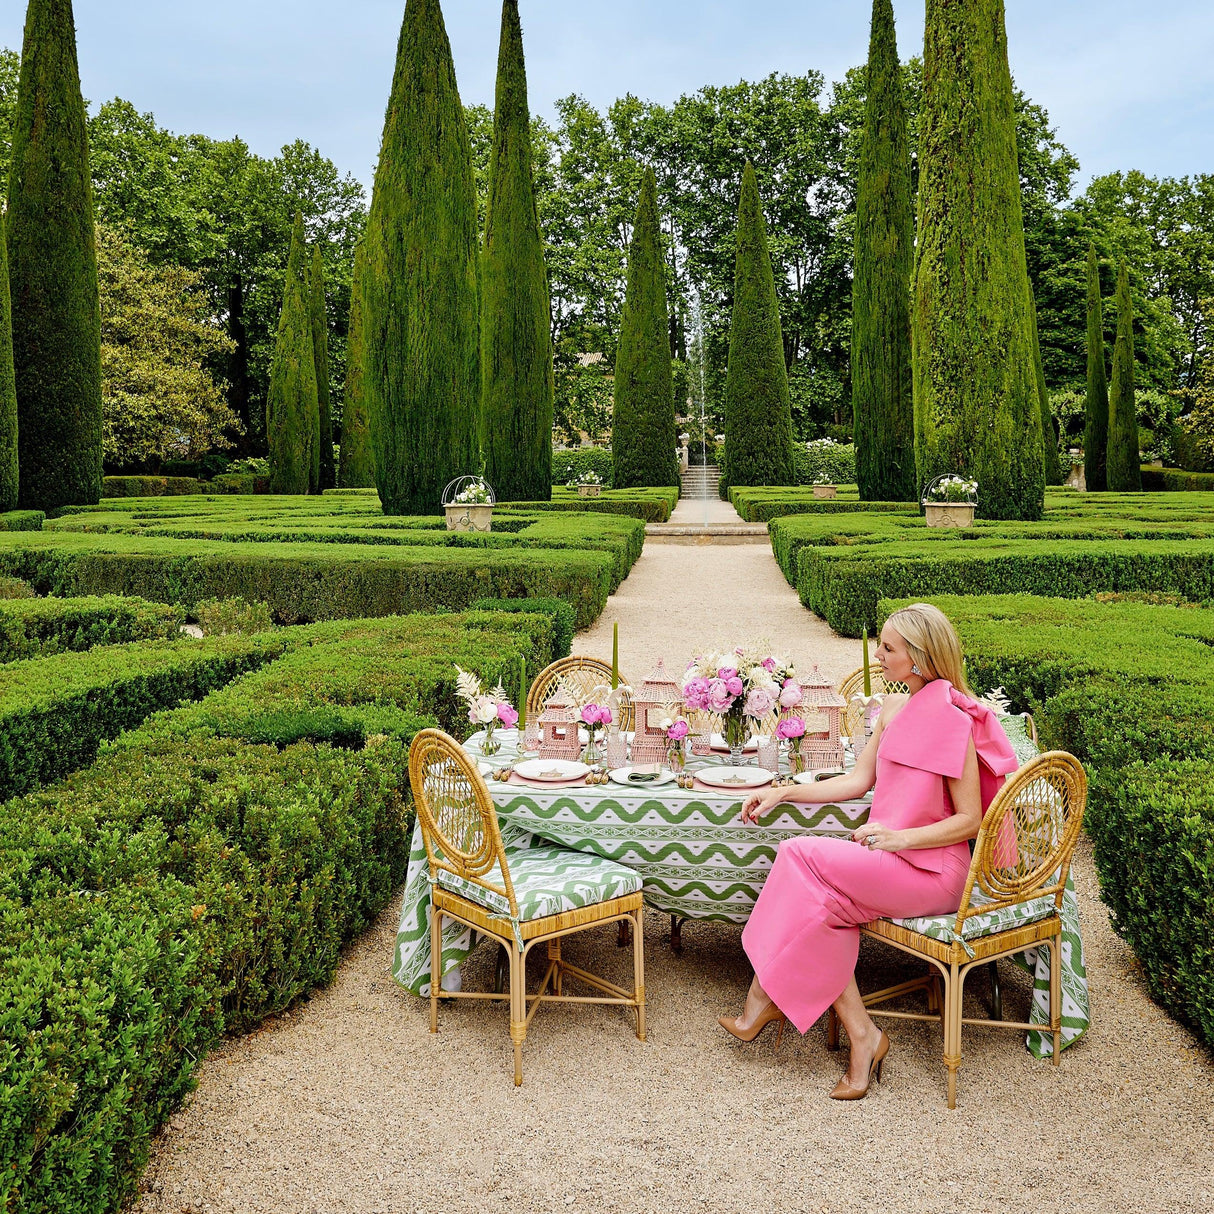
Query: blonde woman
point(935, 763)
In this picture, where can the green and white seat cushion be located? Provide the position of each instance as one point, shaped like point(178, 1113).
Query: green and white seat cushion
point(943, 927)
point(547, 881)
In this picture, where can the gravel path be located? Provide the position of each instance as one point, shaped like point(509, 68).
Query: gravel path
point(347, 1103)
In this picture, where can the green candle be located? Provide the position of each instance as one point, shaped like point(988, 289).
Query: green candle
point(868, 682)
point(522, 693)
point(615, 655)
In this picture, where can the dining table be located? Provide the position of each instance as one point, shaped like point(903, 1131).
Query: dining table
point(697, 860)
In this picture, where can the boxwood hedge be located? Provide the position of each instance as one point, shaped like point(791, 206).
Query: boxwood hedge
point(32, 627)
point(203, 874)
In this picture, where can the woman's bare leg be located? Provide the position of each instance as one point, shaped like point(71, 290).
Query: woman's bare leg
point(861, 1032)
point(756, 1000)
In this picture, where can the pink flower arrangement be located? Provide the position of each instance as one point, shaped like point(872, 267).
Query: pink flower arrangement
point(507, 714)
point(790, 694)
point(717, 682)
point(595, 714)
point(678, 730)
point(788, 728)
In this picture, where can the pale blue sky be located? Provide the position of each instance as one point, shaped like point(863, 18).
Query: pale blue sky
point(1128, 85)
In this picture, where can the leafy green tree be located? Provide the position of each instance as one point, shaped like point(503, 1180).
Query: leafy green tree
point(516, 326)
point(292, 403)
point(53, 271)
point(977, 409)
point(10, 75)
point(357, 470)
point(1049, 436)
point(421, 373)
point(642, 419)
point(158, 339)
point(325, 468)
point(1124, 464)
point(8, 388)
point(882, 386)
point(758, 418)
point(1096, 402)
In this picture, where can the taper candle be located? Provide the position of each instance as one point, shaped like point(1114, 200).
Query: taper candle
point(868, 682)
point(522, 694)
point(615, 655)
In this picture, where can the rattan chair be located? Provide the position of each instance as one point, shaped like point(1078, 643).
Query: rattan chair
point(581, 675)
point(853, 685)
point(1012, 901)
point(520, 898)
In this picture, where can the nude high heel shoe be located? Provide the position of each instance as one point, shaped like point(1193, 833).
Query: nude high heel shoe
point(769, 1014)
point(844, 1090)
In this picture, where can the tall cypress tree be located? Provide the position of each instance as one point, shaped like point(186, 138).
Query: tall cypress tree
point(516, 323)
point(421, 375)
point(1124, 461)
point(758, 416)
point(882, 385)
point(976, 405)
point(291, 403)
point(1096, 403)
point(8, 388)
point(56, 320)
point(1049, 438)
point(357, 469)
point(326, 472)
point(642, 415)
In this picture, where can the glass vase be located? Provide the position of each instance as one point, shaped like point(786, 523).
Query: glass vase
point(592, 755)
point(735, 730)
point(490, 744)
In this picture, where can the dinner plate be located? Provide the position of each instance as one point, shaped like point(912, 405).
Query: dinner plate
point(734, 777)
point(810, 777)
point(551, 769)
point(486, 769)
point(623, 775)
point(717, 742)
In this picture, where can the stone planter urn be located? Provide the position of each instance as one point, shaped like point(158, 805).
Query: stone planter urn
point(822, 491)
point(950, 514)
point(589, 490)
point(469, 518)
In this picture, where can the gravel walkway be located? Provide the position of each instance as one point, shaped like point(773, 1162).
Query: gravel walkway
point(348, 1103)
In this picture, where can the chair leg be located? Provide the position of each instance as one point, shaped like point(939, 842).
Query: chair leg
point(638, 971)
point(1056, 995)
point(554, 954)
point(992, 970)
point(624, 939)
point(436, 963)
point(832, 1029)
point(518, 1009)
point(953, 991)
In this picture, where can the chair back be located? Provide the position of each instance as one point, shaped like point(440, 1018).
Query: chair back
point(853, 685)
point(458, 822)
point(1028, 836)
point(581, 675)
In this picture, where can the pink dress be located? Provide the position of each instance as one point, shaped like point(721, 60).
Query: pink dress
point(803, 935)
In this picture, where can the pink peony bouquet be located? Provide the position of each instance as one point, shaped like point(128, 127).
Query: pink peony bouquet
point(740, 686)
point(488, 709)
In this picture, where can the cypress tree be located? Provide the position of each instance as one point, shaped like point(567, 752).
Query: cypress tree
point(56, 321)
point(642, 414)
point(1049, 437)
point(291, 403)
point(421, 378)
point(516, 323)
point(758, 416)
point(1096, 403)
point(326, 473)
point(882, 389)
point(357, 462)
point(977, 409)
point(8, 388)
point(1124, 461)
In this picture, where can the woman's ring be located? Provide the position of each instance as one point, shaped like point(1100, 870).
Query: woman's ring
point(871, 840)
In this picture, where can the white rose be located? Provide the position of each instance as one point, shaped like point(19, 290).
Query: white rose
point(486, 710)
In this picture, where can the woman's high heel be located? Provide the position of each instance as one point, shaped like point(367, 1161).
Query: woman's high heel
point(769, 1014)
point(844, 1090)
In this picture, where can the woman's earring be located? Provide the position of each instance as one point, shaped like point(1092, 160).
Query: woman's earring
point(916, 671)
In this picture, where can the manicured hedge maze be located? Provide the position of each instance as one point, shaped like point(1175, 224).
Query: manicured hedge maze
point(335, 556)
point(1127, 688)
point(206, 870)
point(842, 565)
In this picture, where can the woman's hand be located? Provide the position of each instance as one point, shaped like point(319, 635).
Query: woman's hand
point(760, 802)
point(876, 837)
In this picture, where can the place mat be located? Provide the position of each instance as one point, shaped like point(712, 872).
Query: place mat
point(515, 778)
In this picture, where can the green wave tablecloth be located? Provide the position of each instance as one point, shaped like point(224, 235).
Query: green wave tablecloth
point(696, 859)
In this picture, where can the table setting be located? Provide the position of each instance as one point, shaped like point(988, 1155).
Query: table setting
point(665, 799)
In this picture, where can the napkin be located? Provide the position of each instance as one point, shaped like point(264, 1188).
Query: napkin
point(645, 773)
